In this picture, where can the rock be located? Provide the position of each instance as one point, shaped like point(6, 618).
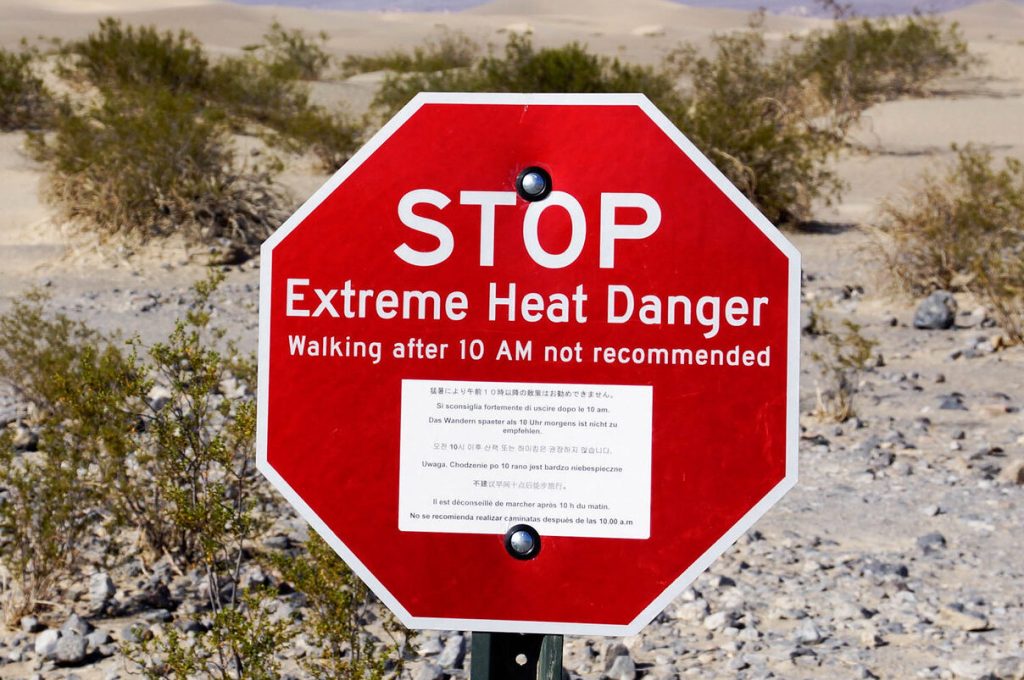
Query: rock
point(623, 668)
point(716, 620)
point(936, 312)
point(277, 542)
point(25, 438)
point(97, 638)
point(101, 589)
point(960, 618)
point(430, 647)
point(454, 652)
point(1010, 668)
point(30, 624)
point(76, 625)
point(952, 402)
point(134, 633)
point(968, 668)
point(158, 397)
point(1013, 472)
point(429, 671)
point(46, 643)
point(931, 542)
point(807, 632)
point(613, 651)
point(71, 650)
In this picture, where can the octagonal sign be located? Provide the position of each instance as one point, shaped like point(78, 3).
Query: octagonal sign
point(543, 312)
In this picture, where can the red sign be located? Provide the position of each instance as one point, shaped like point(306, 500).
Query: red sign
point(547, 312)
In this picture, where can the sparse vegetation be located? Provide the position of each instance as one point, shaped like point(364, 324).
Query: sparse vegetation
point(962, 230)
point(341, 607)
point(154, 445)
point(524, 68)
point(240, 644)
point(842, 357)
point(448, 51)
point(25, 103)
point(146, 163)
point(859, 62)
point(748, 109)
point(770, 118)
point(293, 55)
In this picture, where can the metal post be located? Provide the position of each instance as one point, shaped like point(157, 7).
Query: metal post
point(516, 656)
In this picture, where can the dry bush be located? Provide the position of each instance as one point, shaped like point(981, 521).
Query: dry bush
point(449, 50)
point(146, 163)
point(340, 609)
point(292, 55)
point(962, 230)
point(859, 62)
point(748, 109)
point(25, 103)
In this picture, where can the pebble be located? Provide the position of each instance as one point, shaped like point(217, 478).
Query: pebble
point(101, 590)
point(622, 668)
point(46, 643)
point(931, 542)
point(936, 312)
point(428, 671)
point(454, 652)
point(71, 650)
point(30, 624)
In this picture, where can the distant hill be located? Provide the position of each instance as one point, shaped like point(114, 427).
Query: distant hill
point(799, 7)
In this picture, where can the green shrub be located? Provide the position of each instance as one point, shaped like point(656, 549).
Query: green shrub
point(292, 55)
point(241, 642)
point(119, 56)
point(746, 107)
point(450, 50)
point(145, 163)
point(340, 607)
point(743, 108)
point(25, 103)
point(44, 517)
point(859, 62)
point(962, 230)
point(76, 381)
point(524, 68)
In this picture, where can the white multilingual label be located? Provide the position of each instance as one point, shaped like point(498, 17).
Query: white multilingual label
point(569, 460)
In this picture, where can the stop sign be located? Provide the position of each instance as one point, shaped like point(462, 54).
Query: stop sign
point(546, 312)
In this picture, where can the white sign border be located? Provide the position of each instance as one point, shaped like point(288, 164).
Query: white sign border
point(792, 386)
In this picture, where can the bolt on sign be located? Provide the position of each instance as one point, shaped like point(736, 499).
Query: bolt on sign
point(529, 363)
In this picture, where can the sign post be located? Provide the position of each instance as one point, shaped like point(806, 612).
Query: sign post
point(529, 364)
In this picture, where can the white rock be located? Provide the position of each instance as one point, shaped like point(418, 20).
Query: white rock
point(623, 668)
point(46, 643)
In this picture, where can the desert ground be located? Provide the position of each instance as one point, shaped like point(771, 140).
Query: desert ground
point(898, 554)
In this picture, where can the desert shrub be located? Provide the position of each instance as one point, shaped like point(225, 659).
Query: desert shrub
point(447, 51)
point(76, 380)
point(293, 55)
point(524, 68)
point(119, 56)
point(962, 230)
point(859, 62)
point(241, 642)
point(258, 92)
point(747, 108)
point(340, 608)
point(25, 103)
point(145, 162)
point(841, 355)
point(44, 516)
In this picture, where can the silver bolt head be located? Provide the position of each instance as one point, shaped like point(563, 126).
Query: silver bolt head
point(522, 542)
point(533, 183)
